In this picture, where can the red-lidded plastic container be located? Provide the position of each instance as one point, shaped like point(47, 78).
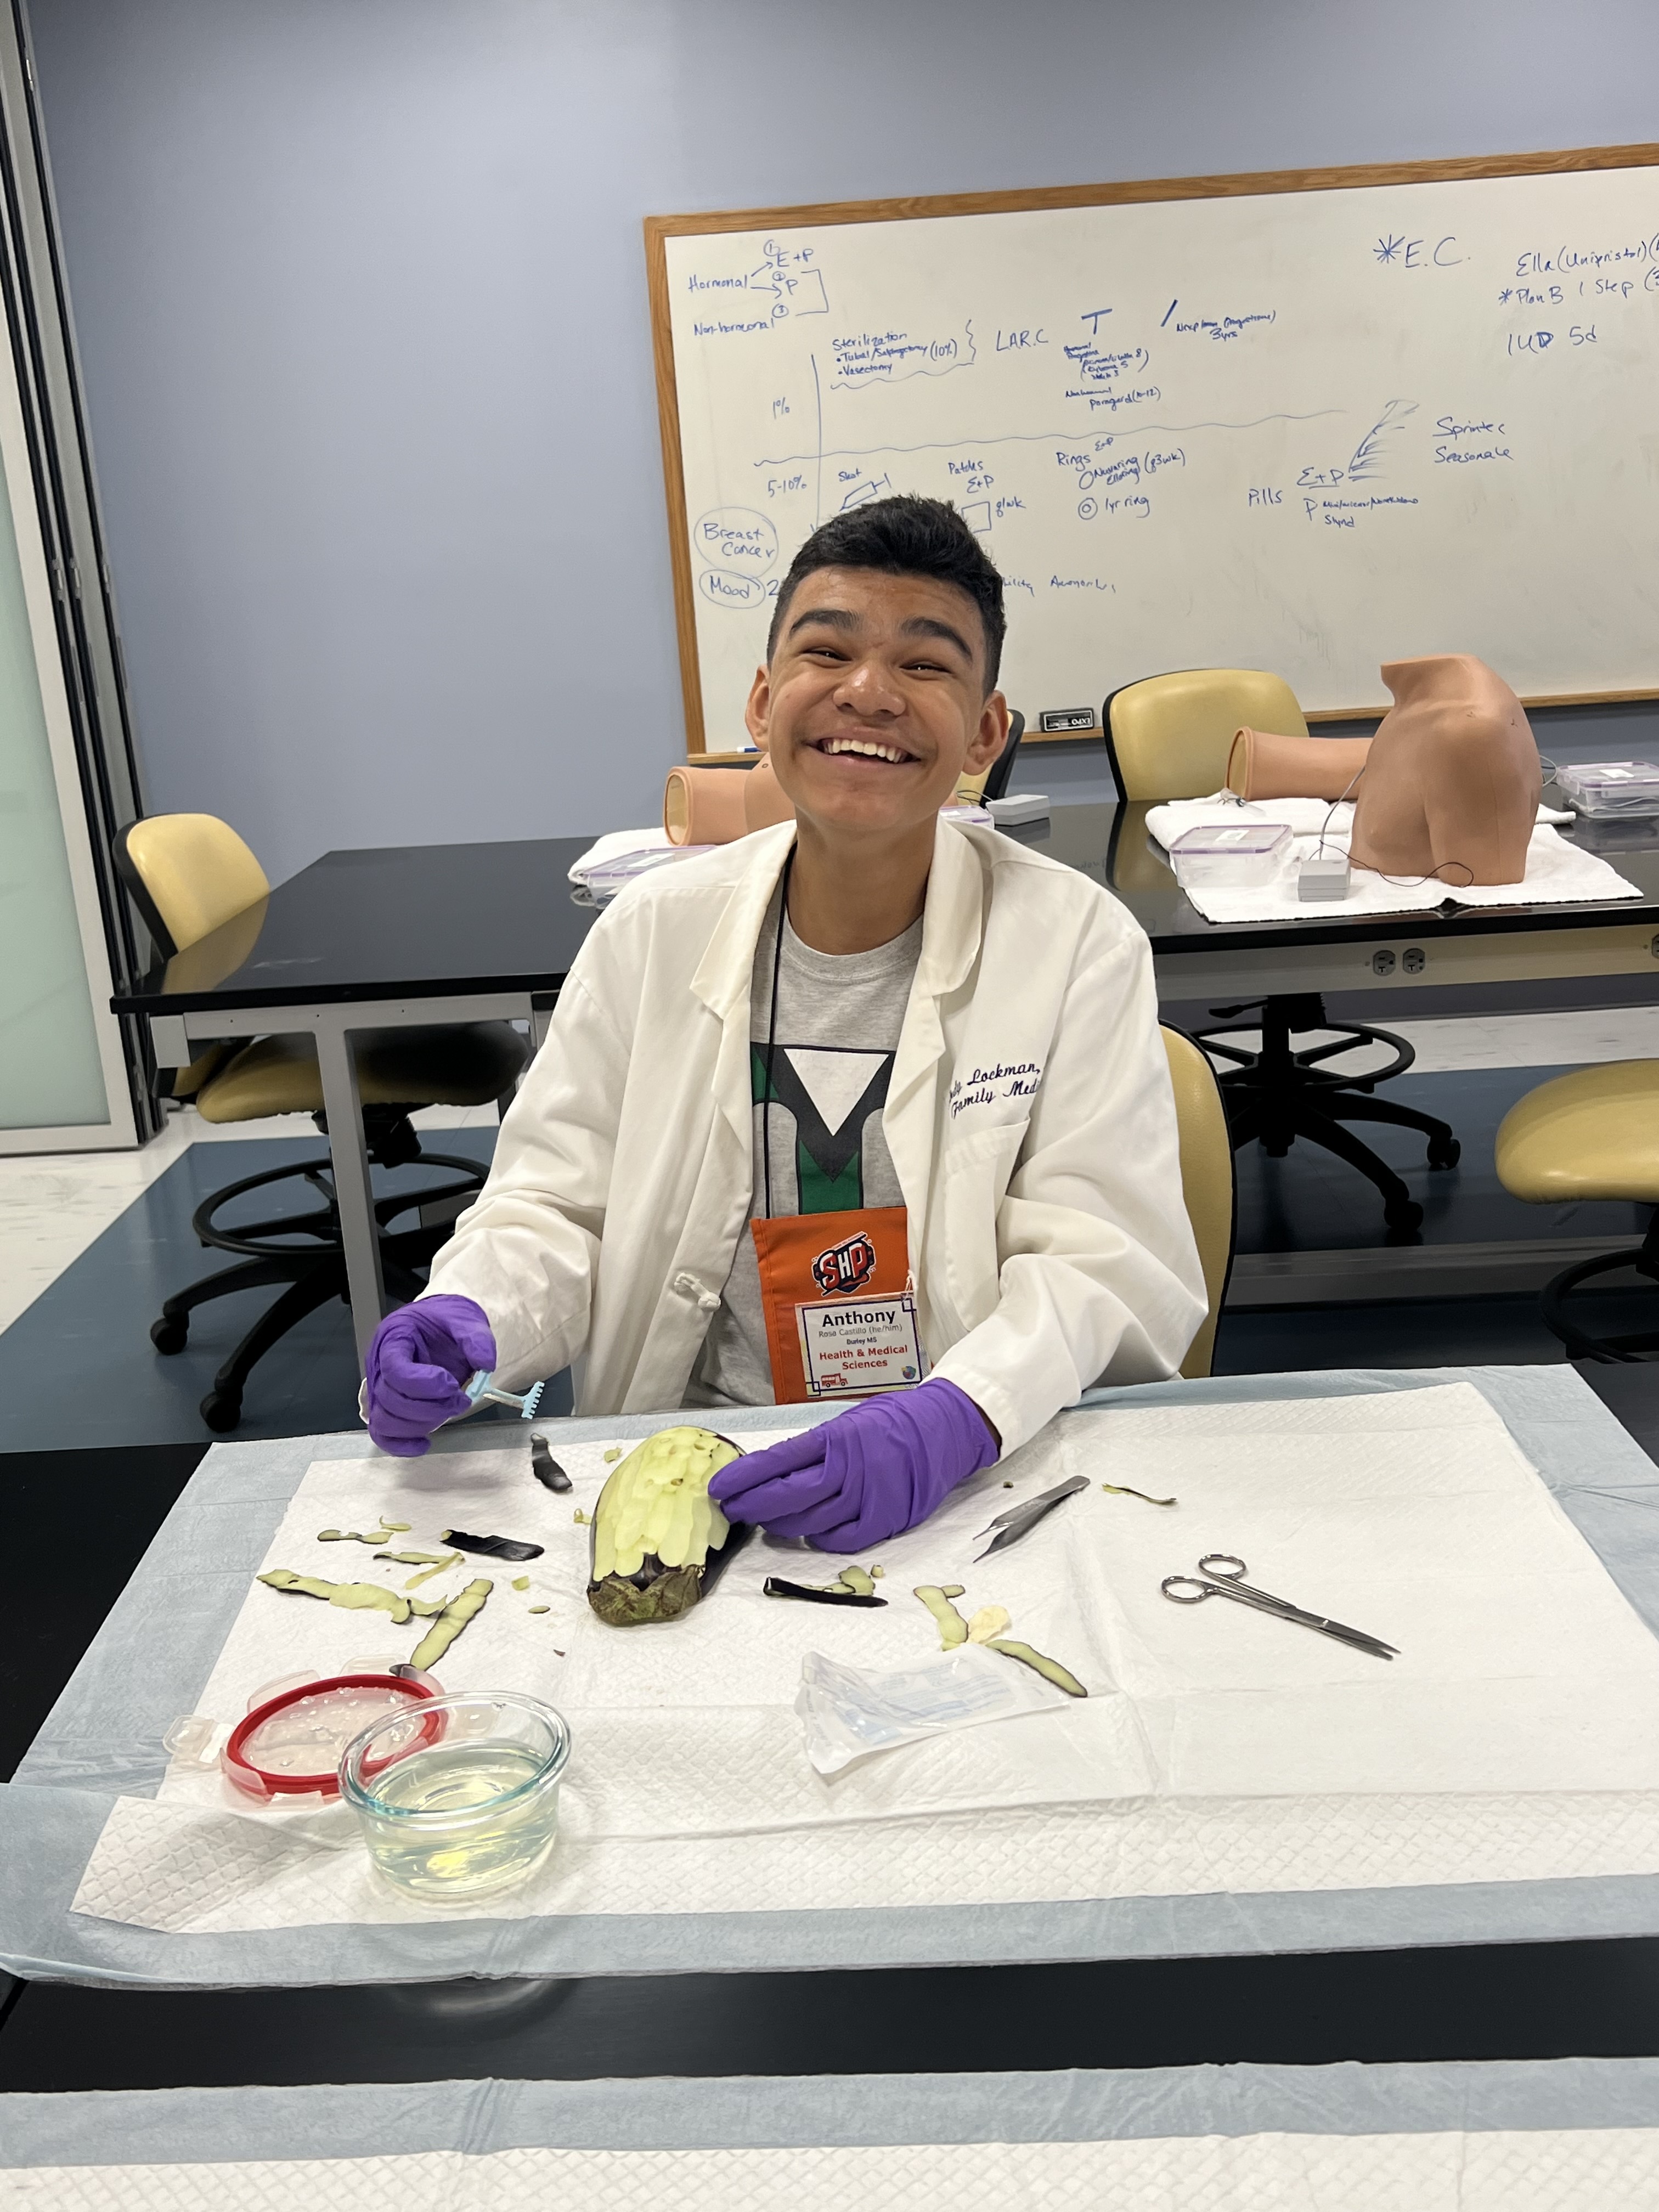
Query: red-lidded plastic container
point(291, 1745)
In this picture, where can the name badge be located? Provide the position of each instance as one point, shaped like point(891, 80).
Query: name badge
point(856, 1344)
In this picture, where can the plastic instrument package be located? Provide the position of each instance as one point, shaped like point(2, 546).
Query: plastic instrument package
point(606, 877)
point(1601, 788)
point(850, 1712)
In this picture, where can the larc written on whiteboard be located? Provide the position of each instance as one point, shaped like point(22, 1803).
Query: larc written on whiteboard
point(1310, 432)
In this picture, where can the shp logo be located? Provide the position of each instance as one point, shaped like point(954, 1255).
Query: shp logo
point(846, 1266)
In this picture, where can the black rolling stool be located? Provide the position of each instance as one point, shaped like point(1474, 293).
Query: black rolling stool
point(1168, 737)
point(188, 874)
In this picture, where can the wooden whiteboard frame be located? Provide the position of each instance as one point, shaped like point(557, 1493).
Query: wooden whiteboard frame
point(659, 228)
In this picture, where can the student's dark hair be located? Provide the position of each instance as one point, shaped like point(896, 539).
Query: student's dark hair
point(904, 537)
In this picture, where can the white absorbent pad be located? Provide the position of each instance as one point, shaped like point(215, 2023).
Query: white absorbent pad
point(1535, 2170)
point(613, 844)
point(1515, 1739)
point(1558, 873)
point(1518, 2135)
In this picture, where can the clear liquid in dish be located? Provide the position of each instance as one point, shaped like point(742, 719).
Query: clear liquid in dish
point(444, 1825)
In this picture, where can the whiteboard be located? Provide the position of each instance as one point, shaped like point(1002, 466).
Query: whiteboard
point(1306, 430)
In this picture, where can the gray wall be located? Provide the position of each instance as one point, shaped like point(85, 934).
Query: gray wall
point(361, 302)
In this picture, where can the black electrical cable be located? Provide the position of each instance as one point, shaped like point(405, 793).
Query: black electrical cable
point(1334, 804)
point(772, 1033)
point(1400, 882)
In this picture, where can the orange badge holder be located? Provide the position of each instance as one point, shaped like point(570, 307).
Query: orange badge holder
point(805, 1258)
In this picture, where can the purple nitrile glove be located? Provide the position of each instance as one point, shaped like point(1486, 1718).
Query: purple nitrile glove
point(875, 1470)
point(418, 1359)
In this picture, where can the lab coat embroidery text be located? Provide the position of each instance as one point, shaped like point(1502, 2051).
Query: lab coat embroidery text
point(986, 1084)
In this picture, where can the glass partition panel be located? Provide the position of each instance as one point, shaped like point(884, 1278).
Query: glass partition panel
point(51, 1074)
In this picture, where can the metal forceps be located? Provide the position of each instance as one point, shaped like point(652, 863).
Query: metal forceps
point(1221, 1574)
point(1020, 1520)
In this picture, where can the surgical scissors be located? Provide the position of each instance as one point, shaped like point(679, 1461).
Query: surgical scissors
point(1221, 1574)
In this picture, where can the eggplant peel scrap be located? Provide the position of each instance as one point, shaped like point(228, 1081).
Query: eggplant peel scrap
point(545, 1468)
point(451, 1617)
point(493, 1548)
point(952, 1628)
point(1050, 1669)
point(852, 1586)
point(354, 1597)
point(449, 1624)
point(987, 1627)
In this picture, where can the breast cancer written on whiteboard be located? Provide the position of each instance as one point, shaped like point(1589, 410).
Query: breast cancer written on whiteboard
point(1310, 432)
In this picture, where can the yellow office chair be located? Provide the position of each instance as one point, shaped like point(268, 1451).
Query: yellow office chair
point(992, 782)
point(1168, 737)
point(1207, 1180)
point(188, 875)
point(1594, 1134)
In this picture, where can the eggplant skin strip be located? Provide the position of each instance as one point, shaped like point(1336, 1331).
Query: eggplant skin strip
point(1039, 1662)
point(774, 1586)
point(493, 1548)
point(545, 1468)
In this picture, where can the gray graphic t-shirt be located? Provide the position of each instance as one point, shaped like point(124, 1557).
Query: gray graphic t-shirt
point(839, 1019)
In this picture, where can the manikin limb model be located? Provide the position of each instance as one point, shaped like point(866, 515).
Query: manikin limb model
point(1452, 784)
point(1449, 786)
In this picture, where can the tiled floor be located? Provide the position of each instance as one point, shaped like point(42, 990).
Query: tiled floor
point(53, 1206)
point(1552, 1040)
point(78, 1369)
point(88, 1254)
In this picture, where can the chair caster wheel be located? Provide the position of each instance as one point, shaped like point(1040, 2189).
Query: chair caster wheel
point(1445, 1155)
point(222, 1410)
point(1405, 1216)
point(169, 1336)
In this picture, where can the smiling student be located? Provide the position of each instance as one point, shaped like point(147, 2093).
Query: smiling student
point(868, 1100)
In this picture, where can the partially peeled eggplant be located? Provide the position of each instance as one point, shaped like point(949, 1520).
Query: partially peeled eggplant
point(660, 1540)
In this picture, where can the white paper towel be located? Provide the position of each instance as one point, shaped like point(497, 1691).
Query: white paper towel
point(1553, 2170)
point(1558, 873)
point(1515, 1738)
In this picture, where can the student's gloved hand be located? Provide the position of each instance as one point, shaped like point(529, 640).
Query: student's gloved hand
point(417, 1361)
point(876, 1469)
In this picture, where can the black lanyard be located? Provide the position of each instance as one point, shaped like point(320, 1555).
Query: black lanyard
point(772, 1034)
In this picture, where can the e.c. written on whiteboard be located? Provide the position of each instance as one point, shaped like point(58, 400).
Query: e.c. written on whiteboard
point(1310, 431)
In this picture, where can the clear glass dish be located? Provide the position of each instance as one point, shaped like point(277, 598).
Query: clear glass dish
point(459, 1800)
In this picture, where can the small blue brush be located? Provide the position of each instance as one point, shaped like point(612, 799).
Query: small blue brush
point(481, 1391)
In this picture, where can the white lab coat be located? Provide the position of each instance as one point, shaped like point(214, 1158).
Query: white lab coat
point(1030, 1118)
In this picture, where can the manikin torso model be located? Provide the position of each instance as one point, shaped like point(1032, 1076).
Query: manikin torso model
point(1452, 782)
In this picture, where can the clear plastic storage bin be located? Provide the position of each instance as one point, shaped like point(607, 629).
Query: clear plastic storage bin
point(1231, 854)
point(1604, 787)
point(606, 877)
